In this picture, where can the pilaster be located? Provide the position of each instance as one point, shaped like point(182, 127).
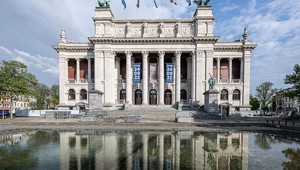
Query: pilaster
point(161, 77)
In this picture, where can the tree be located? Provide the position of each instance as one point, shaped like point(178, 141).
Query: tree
point(42, 91)
point(54, 95)
point(264, 94)
point(293, 79)
point(15, 80)
point(254, 103)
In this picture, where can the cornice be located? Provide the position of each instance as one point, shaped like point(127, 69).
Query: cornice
point(165, 40)
point(206, 39)
point(74, 48)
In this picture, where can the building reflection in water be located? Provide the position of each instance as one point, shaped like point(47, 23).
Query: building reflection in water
point(153, 150)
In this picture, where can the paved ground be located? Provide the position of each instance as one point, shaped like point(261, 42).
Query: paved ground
point(157, 120)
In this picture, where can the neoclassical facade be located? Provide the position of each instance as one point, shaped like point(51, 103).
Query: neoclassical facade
point(154, 62)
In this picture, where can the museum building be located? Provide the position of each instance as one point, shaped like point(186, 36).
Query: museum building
point(154, 62)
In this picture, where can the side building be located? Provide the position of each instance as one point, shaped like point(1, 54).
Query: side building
point(154, 62)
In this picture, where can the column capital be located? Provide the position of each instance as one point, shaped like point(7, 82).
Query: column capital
point(161, 53)
point(209, 53)
point(200, 53)
point(178, 53)
point(77, 59)
point(145, 53)
point(128, 53)
point(193, 53)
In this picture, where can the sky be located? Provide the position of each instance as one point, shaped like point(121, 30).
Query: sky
point(29, 29)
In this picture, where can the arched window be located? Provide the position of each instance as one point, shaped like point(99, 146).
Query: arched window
point(71, 94)
point(224, 94)
point(236, 95)
point(83, 94)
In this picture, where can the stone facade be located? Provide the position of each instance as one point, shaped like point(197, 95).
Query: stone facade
point(154, 62)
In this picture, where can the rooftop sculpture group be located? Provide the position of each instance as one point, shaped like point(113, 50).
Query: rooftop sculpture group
point(201, 2)
point(104, 3)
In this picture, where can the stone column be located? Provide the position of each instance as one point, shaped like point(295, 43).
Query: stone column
point(178, 72)
point(189, 71)
point(161, 151)
point(128, 77)
point(242, 71)
point(77, 70)
point(145, 151)
point(177, 155)
point(145, 77)
point(193, 85)
point(129, 147)
point(63, 79)
point(174, 80)
point(230, 70)
point(118, 69)
point(89, 70)
point(161, 77)
point(218, 69)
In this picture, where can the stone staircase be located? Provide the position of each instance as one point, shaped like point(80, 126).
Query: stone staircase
point(146, 112)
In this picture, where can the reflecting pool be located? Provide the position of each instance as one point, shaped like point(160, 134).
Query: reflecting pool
point(122, 149)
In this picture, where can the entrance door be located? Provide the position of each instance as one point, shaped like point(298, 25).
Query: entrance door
point(138, 97)
point(168, 97)
point(183, 94)
point(153, 97)
point(122, 96)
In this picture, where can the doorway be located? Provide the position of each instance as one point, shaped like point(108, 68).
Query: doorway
point(183, 94)
point(168, 97)
point(153, 97)
point(138, 97)
point(122, 96)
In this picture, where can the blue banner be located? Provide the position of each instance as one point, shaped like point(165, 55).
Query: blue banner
point(169, 73)
point(137, 73)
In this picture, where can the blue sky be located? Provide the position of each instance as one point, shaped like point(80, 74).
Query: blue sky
point(29, 28)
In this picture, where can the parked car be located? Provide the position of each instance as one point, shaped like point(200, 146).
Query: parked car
point(4, 113)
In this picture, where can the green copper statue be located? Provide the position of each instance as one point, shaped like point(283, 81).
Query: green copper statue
point(211, 82)
point(201, 3)
point(105, 4)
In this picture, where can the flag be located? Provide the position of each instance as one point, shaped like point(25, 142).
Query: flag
point(124, 3)
point(155, 3)
point(173, 1)
point(138, 3)
point(189, 2)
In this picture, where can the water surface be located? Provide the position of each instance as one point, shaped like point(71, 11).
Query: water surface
point(121, 149)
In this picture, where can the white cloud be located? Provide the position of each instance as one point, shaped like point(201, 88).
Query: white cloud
point(229, 8)
point(6, 51)
point(275, 27)
point(34, 62)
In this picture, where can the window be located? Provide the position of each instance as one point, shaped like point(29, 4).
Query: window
point(224, 94)
point(83, 94)
point(236, 95)
point(71, 94)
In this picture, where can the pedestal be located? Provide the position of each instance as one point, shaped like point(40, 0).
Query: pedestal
point(95, 101)
point(211, 101)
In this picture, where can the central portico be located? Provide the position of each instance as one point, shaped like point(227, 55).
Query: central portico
point(154, 62)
